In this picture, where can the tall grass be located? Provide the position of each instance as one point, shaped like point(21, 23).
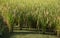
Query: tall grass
point(39, 13)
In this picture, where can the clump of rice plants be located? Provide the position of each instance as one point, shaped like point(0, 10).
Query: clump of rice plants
point(40, 14)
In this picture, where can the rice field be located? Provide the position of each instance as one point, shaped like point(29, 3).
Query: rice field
point(40, 14)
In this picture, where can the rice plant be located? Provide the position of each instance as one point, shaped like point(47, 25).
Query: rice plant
point(31, 13)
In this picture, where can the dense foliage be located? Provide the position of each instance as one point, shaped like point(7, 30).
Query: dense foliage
point(38, 14)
